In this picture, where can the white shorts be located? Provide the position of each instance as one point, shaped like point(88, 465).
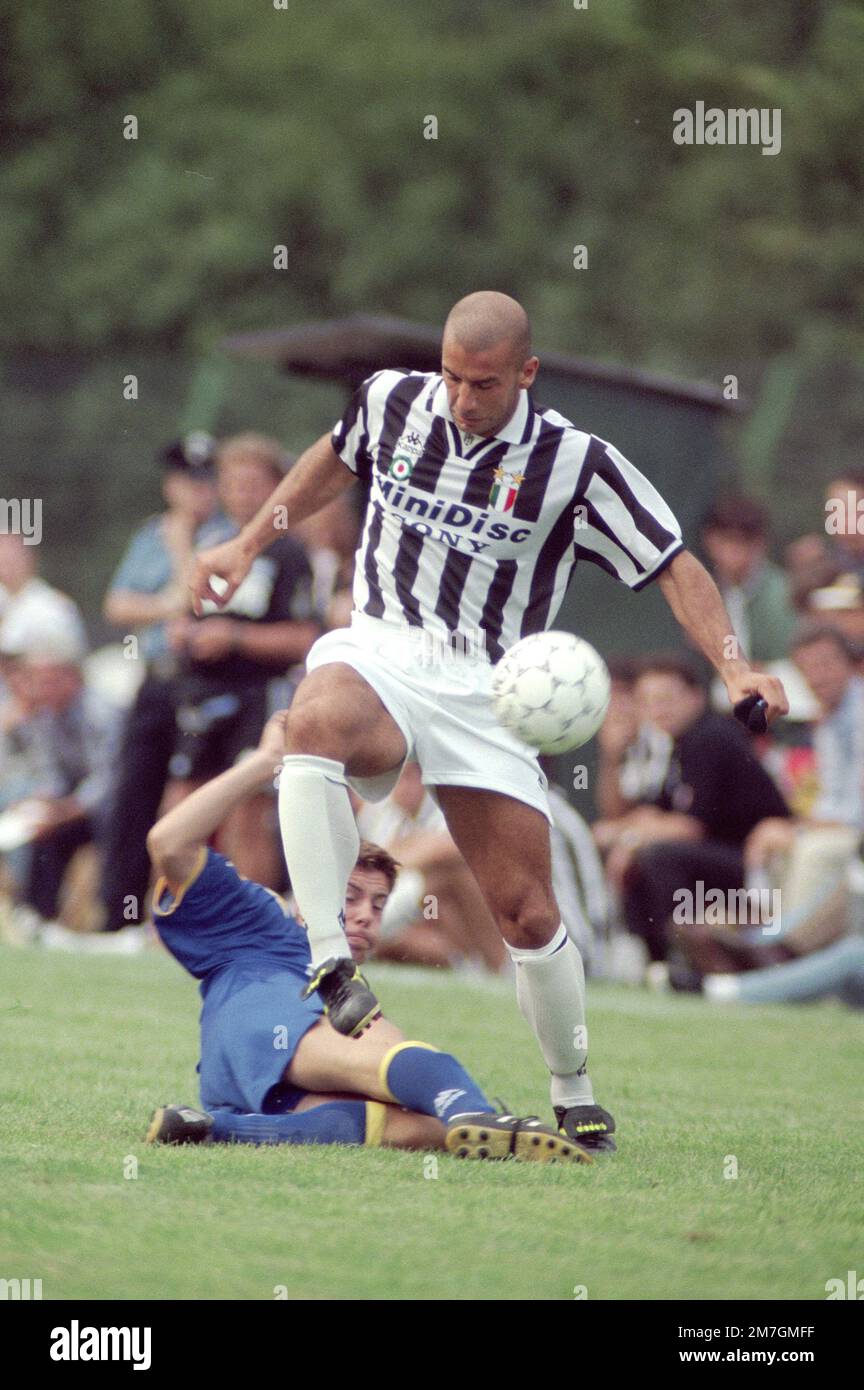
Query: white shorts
point(441, 701)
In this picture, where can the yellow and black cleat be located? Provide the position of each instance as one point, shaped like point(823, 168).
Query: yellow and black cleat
point(588, 1125)
point(511, 1136)
point(178, 1124)
point(349, 1003)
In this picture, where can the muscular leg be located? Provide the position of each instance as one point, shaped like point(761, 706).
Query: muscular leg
point(506, 845)
point(336, 723)
point(382, 1065)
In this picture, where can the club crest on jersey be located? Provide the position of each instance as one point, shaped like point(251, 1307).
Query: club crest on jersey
point(505, 490)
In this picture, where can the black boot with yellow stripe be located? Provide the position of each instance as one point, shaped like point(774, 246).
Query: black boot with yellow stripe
point(349, 1003)
point(511, 1136)
point(588, 1125)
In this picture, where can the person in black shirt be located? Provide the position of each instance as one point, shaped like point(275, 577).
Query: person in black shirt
point(714, 793)
point(229, 656)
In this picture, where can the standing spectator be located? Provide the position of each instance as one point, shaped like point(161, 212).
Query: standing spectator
point(756, 593)
point(714, 793)
point(149, 589)
point(229, 656)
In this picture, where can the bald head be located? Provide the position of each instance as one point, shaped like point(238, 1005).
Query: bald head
point(482, 321)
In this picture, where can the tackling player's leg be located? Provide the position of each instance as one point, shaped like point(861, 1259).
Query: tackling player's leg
point(506, 845)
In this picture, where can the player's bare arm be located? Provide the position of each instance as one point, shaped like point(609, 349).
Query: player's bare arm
point(318, 477)
point(176, 841)
point(696, 603)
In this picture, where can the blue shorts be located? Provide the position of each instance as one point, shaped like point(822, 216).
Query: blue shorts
point(251, 1024)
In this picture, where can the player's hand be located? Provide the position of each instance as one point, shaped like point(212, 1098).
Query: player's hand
point(229, 562)
point(740, 684)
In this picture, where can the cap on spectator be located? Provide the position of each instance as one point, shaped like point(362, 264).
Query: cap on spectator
point(194, 455)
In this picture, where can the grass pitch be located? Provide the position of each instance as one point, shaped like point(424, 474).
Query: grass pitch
point(89, 1046)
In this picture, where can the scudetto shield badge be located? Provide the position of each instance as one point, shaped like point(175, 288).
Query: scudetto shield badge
point(505, 490)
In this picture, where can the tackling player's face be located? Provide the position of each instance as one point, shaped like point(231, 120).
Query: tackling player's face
point(365, 899)
point(483, 387)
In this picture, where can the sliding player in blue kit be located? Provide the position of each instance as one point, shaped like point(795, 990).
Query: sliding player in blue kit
point(273, 1069)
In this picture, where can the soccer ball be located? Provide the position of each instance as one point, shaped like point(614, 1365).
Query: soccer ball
point(552, 690)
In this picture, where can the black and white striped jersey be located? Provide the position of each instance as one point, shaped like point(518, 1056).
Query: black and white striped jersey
point(468, 535)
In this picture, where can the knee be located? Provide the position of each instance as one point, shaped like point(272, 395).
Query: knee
point(528, 919)
point(315, 727)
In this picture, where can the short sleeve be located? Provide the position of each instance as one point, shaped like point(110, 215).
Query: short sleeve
point(350, 438)
point(621, 522)
point(145, 567)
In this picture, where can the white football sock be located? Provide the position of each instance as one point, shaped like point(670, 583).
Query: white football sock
point(550, 989)
point(321, 843)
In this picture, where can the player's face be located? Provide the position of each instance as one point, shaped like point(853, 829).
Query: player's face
point(368, 891)
point(483, 387)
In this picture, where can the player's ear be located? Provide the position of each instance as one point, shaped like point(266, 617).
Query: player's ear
point(529, 371)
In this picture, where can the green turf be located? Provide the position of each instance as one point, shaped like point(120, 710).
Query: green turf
point(90, 1045)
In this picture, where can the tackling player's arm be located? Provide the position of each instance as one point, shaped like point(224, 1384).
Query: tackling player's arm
point(696, 602)
point(175, 842)
point(318, 476)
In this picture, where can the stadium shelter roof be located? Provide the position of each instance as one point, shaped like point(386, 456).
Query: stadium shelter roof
point(350, 349)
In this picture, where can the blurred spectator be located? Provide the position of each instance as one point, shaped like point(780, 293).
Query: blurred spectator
point(805, 854)
point(821, 559)
point(578, 881)
point(29, 608)
point(149, 589)
point(228, 657)
point(436, 914)
point(331, 537)
point(76, 735)
point(634, 754)
point(735, 537)
point(714, 793)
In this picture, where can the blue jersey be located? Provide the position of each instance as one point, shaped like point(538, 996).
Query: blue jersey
point(219, 919)
point(251, 957)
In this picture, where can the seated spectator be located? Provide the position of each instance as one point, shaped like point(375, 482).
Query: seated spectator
point(815, 849)
point(734, 537)
point(714, 793)
point(436, 915)
point(578, 881)
point(76, 735)
point(837, 972)
point(147, 591)
point(633, 753)
point(228, 657)
point(30, 608)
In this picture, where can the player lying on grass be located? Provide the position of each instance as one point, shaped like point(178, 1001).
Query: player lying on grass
point(273, 1069)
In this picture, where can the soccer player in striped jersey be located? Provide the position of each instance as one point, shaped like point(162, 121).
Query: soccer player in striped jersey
point(481, 506)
